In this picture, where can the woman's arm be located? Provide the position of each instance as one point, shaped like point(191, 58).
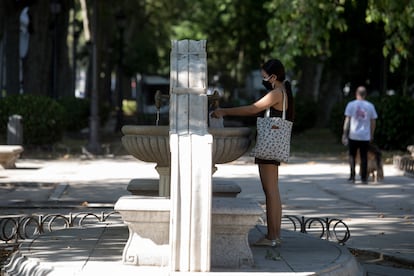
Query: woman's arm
point(270, 99)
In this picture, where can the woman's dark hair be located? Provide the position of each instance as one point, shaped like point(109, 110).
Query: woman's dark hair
point(275, 67)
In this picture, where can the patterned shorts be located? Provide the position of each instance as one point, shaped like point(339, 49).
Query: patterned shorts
point(263, 161)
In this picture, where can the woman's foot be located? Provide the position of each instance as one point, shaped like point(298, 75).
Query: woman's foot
point(268, 242)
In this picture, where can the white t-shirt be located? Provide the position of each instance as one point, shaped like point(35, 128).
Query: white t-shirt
point(361, 113)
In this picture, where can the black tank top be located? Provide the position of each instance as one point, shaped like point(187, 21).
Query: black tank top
point(273, 113)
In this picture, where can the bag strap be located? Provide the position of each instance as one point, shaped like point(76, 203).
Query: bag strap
point(267, 113)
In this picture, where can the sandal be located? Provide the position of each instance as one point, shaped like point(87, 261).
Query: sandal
point(266, 242)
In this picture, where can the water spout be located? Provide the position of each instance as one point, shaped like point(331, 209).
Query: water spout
point(158, 99)
point(213, 103)
point(157, 120)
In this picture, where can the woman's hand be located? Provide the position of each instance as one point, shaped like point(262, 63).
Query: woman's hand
point(217, 113)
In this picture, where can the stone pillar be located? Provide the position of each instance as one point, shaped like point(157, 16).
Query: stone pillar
point(191, 158)
point(15, 130)
point(164, 182)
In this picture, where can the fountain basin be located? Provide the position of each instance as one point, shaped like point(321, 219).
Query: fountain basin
point(151, 143)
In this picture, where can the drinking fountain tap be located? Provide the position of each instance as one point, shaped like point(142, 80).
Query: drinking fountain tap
point(213, 103)
point(214, 100)
point(158, 98)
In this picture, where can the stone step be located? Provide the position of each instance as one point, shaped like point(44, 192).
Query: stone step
point(98, 251)
point(150, 187)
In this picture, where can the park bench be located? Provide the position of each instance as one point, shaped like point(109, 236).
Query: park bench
point(9, 154)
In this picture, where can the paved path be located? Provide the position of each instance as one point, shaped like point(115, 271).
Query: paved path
point(380, 216)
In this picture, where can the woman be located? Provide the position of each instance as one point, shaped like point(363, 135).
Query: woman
point(274, 80)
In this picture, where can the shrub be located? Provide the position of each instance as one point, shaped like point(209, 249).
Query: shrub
point(305, 114)
point(42, 118)
point(77, 113)
point(395, 122)
point(394, 126)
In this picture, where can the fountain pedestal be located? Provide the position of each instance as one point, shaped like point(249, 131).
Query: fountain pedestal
point(148, 220)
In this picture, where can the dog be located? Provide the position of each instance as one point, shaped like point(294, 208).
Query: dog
point(375, 169)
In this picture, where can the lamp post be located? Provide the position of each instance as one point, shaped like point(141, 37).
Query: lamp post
point(55, 8)
point(121, 22)
point(94, 145)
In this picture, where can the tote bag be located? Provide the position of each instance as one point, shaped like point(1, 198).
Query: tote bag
point(273, 137)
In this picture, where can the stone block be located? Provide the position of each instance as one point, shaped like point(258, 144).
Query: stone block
point(149, 225)
point(9, 155)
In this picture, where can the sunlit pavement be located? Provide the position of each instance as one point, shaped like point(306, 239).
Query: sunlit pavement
point(379, 215)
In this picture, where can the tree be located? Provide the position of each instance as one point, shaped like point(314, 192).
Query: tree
point(235, 32)
point(330, 43)
point(10, 35)
point(300, 35)
point(397, 17)
point(37, 64)
point(46, 68)
point(303, 28)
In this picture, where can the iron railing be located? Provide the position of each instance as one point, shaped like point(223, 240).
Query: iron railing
point(325, 228)
point(15, 228)
point(20, 227)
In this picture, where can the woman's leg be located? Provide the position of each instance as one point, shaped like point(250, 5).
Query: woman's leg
point(269, 176)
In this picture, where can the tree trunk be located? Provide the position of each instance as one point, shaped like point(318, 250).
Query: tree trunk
point(37, 69)
point(12, 32)
point(64, 72)
point(330, 94)
point(323, 87)
point(47, 63)
point(94, 144)
point(310, 78)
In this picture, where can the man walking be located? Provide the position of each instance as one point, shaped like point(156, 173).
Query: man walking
point(358, 131)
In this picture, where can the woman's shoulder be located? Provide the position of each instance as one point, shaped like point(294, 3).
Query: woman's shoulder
point(277, 91)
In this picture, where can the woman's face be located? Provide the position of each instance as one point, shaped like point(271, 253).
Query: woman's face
point(265, 75)
point(266, 81)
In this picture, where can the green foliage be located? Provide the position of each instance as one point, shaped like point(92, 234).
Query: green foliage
point(43, 118)
point(303, 28)
point(398, 20)
point(76, 111)
point(394, 126)
point(305, 114)
point(147, 38)
point(234, 29)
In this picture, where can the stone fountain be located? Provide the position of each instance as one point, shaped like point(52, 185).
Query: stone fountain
point(152, 144)
point(185, 229)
